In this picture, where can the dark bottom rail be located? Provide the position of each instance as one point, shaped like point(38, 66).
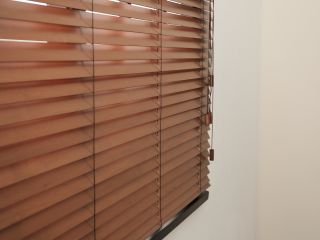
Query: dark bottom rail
point(181, 216)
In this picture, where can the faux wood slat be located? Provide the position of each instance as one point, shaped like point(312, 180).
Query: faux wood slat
point(102, 116)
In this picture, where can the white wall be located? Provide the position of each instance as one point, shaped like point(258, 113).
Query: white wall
point(266, 178)
point(230, 212)
point(289, 166)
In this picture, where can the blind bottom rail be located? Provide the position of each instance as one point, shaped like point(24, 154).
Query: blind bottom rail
point(181, 216)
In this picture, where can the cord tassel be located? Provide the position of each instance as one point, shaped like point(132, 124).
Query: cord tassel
point(211, 81)
point(211, 154)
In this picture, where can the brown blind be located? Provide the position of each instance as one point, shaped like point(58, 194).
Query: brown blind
point(103, 108)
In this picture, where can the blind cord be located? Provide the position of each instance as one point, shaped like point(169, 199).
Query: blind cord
point(211, 70)
point(94, 124)
point(160, 138)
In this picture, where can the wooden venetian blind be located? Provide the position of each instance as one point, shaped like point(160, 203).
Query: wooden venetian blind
point(103, 116)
